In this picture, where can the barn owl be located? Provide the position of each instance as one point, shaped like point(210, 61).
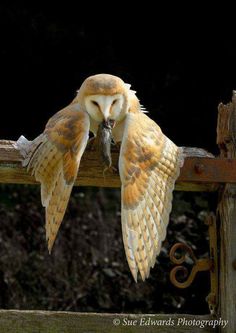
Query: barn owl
point(149, 164)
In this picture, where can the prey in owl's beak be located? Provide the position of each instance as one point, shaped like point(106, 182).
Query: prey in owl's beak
point(105, 140)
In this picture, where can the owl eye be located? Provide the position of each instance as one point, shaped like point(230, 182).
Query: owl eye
point(114, 102)
point(95, 103)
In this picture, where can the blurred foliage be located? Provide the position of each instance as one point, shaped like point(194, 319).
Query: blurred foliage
point(87, 270)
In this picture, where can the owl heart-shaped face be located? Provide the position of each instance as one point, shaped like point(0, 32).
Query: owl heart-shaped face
point(104, 107)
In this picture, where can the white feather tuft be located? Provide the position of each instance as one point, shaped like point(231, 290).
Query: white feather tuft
point(128, 85)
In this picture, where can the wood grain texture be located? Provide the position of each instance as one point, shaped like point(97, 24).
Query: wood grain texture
point(12, 321)
point(197, 174)
point(226, 134)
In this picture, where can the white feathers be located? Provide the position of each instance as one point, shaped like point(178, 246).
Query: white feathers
point(127, 85)
point(102, 107)
point(143, 110)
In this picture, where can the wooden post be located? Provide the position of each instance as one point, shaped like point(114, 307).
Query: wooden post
point(226, 140)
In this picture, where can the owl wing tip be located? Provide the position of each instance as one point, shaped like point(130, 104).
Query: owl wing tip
point(135, 275)
point(50, 246)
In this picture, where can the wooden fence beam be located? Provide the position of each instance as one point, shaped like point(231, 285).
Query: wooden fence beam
point(197, 174)
point(13, 321)
point(226, 140)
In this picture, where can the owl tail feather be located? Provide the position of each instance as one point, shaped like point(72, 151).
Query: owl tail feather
point(27, 148)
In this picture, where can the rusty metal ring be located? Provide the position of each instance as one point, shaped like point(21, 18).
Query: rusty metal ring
point(182, 259)
point(174, 280)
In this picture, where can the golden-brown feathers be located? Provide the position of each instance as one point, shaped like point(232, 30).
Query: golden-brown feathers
point(103, 84)
point(53, 158)
point(149, 164)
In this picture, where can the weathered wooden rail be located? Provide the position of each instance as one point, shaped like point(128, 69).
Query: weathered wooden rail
point(197, 174)
point(13, 321)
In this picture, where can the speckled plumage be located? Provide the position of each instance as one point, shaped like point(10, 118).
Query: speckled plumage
point(149, 164)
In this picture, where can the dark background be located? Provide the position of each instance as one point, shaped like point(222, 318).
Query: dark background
point(182, 66)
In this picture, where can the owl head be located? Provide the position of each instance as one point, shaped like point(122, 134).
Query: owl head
point(105, 97)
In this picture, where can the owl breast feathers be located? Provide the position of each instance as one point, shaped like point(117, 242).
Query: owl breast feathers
point(149, 164)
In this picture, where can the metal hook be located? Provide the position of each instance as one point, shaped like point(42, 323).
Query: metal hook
point(210, 264)
point(199, 266)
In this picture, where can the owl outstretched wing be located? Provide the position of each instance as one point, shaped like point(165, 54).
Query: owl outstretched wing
point(54, 158)
point(149, 164)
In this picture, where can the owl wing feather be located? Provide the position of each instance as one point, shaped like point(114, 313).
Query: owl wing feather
point(149, 165)
point(54, 158)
